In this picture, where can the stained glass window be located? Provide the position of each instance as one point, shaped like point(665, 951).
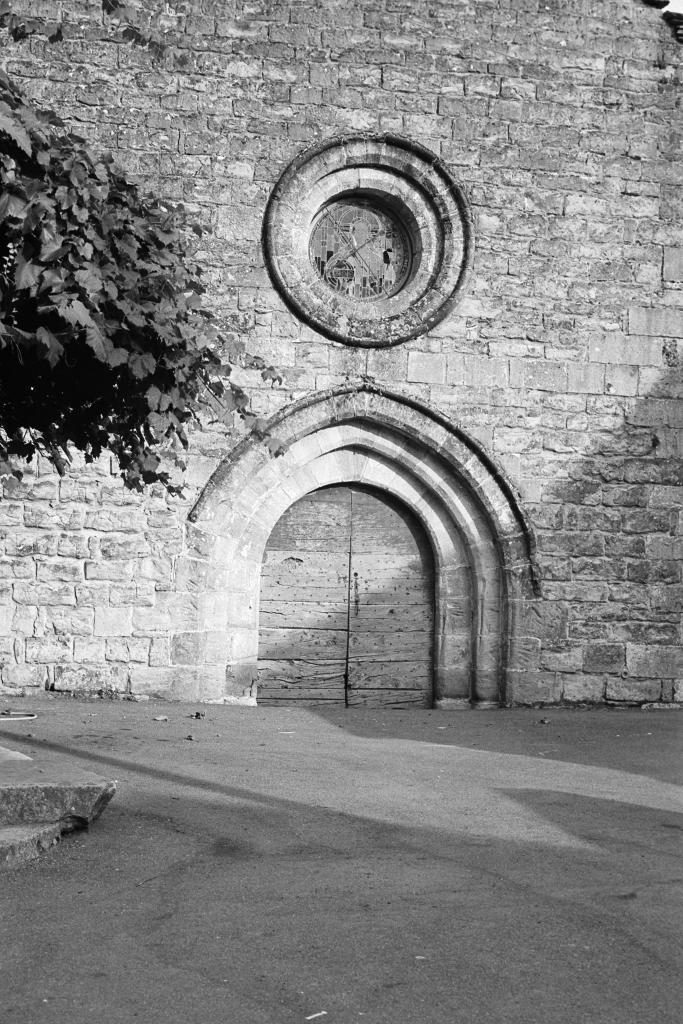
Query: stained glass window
point(360, 250)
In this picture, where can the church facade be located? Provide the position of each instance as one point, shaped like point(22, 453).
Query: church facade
point(456, 230)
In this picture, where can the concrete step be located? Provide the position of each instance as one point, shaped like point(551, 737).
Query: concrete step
point(40, 801)
point(20, 844)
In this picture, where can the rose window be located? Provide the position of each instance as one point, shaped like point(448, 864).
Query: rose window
point(368, 240)
point(360, 250)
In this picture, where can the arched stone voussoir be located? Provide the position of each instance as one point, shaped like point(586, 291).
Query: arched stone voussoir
point(479, 535)
point(372, 405)
point(449, 518)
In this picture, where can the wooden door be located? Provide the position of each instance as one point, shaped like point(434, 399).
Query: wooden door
point(391, 606)
point(303, 624)
point(346, 604)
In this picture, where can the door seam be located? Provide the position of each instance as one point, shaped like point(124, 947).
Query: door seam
point(348, 606)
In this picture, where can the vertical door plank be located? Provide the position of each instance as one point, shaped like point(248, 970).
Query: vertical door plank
point(303, 626)
point(391, 622)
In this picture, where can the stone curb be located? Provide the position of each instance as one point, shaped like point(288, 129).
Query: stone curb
point(41, 802)
point(20, 844)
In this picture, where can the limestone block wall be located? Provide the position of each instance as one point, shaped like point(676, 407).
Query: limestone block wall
point(561, 123)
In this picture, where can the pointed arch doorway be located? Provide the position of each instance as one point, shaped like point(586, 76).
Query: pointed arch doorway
point(487, 607)
point(347, 603)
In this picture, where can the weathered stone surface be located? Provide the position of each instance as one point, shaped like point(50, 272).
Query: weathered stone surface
point(426, 367)
point(534, 688)
point(20, 676)
point(50, 792)
point(563, 359)
point(64, 620)
point(673, 263)
point(20, 844)
point(91, 678)
point(113, 621)
point(567, 658)
point(45, 594)
point(89, 649)
point(583, 688)
point(634, 691)
point(604, 658)
point(127, 649)
point(650, 660)
point(49, 650)
point(658, 322)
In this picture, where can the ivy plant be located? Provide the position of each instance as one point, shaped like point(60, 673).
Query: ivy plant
point(104, 341)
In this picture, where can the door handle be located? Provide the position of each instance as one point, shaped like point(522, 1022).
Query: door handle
point(356, 594)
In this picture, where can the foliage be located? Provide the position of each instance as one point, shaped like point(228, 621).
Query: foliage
point(122, 15)
point(21, 27)
point(672, 12)
point(104, 344)
point(127, 18)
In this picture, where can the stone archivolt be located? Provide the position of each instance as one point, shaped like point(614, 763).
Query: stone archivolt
point(481, 542)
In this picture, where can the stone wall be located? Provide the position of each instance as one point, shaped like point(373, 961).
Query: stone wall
point(562, 124)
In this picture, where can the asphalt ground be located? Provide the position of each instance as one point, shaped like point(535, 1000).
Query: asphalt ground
point(353, 866)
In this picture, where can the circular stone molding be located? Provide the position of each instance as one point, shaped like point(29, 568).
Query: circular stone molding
point(368, 240)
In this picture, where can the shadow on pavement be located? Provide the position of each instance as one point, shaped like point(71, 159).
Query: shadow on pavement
point(258, 877)
point(135, 767)
point(279, 910)
point(646, 743)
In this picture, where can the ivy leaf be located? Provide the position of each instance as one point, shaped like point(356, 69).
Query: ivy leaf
point(275, 446)
point(8, 470)
point(26, 274)
point(96, 342)
point(78, 174)
point(270, 374)
point(89, 279)
point(18, 134)
point(141, 364)
point(112, 6)
point(127, 248)
point(11, 205)
point(132, 315)
point(74, 312)
point(158, 423)
point(53, 277)
point(149, 464)
point(117, 356)
point(52, 344)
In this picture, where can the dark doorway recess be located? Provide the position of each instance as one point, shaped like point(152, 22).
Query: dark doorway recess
point(347, 604)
